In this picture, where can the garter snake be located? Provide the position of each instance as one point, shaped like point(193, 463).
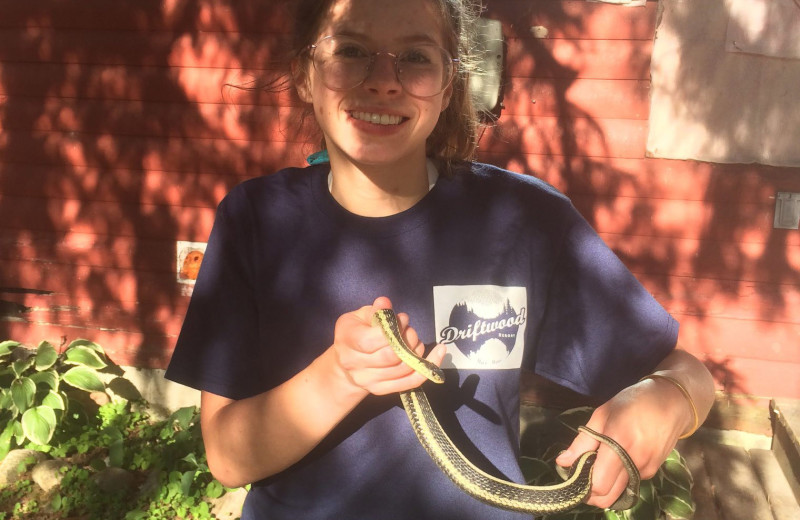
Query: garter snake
point(535, 500)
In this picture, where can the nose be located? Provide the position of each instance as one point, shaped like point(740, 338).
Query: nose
point(383, 76)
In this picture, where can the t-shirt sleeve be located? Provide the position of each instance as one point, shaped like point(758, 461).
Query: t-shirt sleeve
point(602, 330)
point(219, 337)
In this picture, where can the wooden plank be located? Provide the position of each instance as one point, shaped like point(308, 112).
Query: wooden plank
point(653, 178)
point(149, 119)
point(187, 83)
point(162, 154)
point(102, 184)
point(585, 137)
point(256, 16)
point(100, 46)
point(577, 98)
point(748, 263)
point(105, 218)
point(588, 59)
point(90, 249)
point(573, 19)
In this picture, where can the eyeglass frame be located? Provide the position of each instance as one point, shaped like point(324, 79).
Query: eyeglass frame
point(453, 62)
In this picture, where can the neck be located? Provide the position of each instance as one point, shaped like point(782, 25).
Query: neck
point(372, 190)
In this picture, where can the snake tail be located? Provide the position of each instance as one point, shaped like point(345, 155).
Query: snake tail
point(535, 500)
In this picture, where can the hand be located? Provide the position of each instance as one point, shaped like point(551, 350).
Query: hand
point(646, 420)
point(365, 357)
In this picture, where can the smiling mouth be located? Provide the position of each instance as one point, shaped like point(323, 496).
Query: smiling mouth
point(377, 119)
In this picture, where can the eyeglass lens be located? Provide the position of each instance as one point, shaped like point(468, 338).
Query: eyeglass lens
point(423, 70)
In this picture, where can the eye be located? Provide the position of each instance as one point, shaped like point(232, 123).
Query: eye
point(419, 56)
point(349, 50)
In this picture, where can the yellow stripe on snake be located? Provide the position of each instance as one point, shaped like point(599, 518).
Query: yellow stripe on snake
point(535, 500)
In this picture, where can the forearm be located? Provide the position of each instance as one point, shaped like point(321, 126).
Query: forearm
point(694, 377)
point(253, 438)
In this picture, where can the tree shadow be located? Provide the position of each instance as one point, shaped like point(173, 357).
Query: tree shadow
point(116, 142)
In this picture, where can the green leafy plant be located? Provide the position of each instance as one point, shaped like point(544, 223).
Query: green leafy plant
point(667, 496)
point(33, 399)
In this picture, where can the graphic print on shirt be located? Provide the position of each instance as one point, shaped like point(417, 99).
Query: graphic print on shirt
point(483, 326)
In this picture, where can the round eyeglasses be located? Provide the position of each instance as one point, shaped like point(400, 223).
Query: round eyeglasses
point(343, 63)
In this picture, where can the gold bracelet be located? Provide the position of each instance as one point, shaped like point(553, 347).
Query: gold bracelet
point(686, 394)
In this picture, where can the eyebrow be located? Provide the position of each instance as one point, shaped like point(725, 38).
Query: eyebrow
point(412, 38)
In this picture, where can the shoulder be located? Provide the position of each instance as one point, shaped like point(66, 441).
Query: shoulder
point(488, 185)
point(487, 176)
point(284, 188)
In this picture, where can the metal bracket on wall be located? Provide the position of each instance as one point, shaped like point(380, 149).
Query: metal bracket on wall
point(787, 210)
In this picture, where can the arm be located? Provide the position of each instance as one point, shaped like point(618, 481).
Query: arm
point(646, 419)
point(253, 438)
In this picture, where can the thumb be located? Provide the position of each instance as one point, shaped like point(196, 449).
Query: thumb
point(580, 445)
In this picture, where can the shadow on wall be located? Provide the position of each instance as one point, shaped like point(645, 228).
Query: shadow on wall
point(118, 139)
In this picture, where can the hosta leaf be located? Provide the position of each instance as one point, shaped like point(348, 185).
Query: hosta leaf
point(23, 391)
point(21, 365)
point(46, 356)
point(89, 344)
point(7, 346)
point(84, 378)
point(5, 439)
point(86, 356)
point(19, 435)
point(46, 377)
point(5, 399)
point(55, 401)
point(39, 423)
point(676, 508)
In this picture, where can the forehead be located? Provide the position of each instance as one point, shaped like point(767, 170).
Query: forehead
point(384, 22)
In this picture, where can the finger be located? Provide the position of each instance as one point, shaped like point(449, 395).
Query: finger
point(605, 493)
point(580, 445)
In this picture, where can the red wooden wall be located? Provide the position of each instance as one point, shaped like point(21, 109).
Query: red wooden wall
point(118, 138)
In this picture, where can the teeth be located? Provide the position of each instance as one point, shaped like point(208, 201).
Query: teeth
point(378, 119)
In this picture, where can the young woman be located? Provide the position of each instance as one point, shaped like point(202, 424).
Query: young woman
point(496, 271)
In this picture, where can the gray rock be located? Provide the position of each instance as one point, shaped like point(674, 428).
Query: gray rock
point(115, 480)
point(229, 505)
point(10, 465)
point(47, 474)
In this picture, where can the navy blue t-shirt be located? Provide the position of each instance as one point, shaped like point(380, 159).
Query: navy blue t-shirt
point(498, 266)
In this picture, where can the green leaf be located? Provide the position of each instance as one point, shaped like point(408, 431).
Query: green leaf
point(39, 424)
point(676, 508)
point(84, 378)
point(46, 356)
point(214, 489)
point(186, 482)
point(85, 356)
point(23, 391)
point(5, 439)
point(19, 435)
point(6, 403)
point(46, 377)
point(86, 343)
point(54, 400)
point(6, 347)
point(21, 365)
point(183, 417)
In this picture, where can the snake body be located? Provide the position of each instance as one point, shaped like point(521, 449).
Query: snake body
point(535, 500)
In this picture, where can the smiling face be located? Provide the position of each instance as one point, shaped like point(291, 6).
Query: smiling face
point(377, 122)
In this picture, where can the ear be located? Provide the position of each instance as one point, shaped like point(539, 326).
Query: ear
point(301, 80)
point(446, 97)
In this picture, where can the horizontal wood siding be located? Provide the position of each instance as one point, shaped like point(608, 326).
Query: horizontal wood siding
point(122, 127)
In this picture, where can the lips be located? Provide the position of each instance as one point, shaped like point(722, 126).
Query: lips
point(377, 119)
